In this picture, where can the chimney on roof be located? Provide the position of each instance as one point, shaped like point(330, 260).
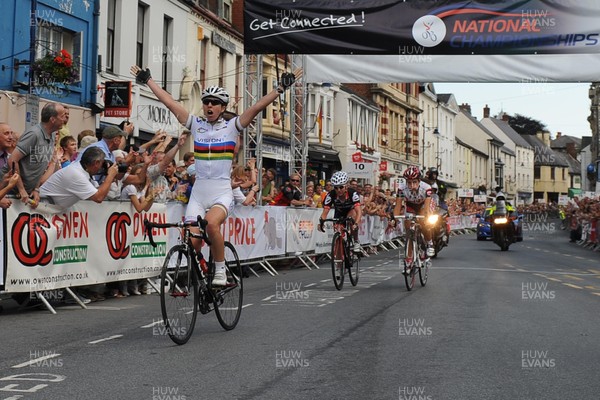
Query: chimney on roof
point(466, 107)
point(486, 111)
point(571, 150)
point(505, 117)
point(544, 137)
point(558, 134)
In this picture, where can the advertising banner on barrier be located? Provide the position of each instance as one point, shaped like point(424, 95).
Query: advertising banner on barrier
point(323, 240)
point(256, 232)
point(80, 247)
point(302, 224)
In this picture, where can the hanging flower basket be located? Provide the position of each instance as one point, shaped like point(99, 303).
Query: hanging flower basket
point(384, 177)
point(55, 69)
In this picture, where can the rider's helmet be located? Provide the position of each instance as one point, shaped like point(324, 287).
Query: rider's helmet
point(216, 92)
point(500, 196)
point(432, 171)
point(412, 172)
point(339, 178)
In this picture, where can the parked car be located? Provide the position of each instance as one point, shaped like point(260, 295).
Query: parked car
point(484, 229)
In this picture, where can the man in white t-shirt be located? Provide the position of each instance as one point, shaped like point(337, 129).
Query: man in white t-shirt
point(69, 185)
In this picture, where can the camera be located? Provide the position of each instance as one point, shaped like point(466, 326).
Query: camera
point(121, 167)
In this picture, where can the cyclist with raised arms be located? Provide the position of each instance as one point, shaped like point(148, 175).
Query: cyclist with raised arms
point(346, 203)
point(215, 139)
point(417, 196)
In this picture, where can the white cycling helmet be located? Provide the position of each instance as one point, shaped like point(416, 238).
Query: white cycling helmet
point(339, 178)
point(216, 92)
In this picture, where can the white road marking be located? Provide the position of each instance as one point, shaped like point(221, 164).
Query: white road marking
point(35, 361)
point(152, 324)
point(105, 339)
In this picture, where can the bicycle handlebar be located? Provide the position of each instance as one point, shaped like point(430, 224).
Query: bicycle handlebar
point(200, 222)
point(338, 220)
point(409, 216)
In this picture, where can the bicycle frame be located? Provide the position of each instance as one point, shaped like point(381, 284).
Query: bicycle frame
point(189, 282)
point(413, 250)
point(344, 258)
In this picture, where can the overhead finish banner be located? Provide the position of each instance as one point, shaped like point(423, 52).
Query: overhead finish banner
point(422, 27)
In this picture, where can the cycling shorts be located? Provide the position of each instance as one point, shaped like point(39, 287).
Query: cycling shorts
point(414, 208)
point(207, 193)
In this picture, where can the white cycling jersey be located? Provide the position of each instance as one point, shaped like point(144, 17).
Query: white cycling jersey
point(416, 198)
point(214, 145)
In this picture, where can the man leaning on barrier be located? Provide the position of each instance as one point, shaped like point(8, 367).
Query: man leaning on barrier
point(69, 185)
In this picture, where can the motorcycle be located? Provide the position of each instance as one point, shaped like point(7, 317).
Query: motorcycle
point(440, 231)
point(502, 227)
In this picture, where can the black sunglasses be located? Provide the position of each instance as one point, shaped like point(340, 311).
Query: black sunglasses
point(295, 180)
point(212, 101)
point(339, 187)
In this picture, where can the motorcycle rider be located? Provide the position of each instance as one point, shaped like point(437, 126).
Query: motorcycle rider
point(441, 227)
point(431, 177)
point(503, 207)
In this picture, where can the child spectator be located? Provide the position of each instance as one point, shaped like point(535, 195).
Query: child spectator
point(68, 145)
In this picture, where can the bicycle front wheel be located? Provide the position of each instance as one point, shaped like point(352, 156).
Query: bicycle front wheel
point(410, 264)
point(424, 271)
point(353, 267)
point(337, 260)
point(178, 295)
point(228, 299)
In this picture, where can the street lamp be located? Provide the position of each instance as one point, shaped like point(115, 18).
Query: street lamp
point(425, 130)
point(438, 158)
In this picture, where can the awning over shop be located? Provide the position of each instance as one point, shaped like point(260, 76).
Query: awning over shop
point(323, 155)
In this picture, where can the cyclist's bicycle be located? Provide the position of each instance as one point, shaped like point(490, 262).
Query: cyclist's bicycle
point(185, 283)
point(415, 259)
point(342, 254)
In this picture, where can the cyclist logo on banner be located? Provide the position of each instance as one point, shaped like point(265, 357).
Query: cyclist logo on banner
point(429, 31)
point(116, 235)
point(30, 240)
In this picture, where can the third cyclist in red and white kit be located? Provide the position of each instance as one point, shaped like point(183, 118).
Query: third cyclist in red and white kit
point(416, 195)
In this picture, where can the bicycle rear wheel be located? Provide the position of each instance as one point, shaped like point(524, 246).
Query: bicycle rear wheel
point(337, 260)
point(352, 265)
point(410, 263)
point(228, 300)
point(178, 295)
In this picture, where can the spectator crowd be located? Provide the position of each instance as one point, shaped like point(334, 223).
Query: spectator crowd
point(51, 165)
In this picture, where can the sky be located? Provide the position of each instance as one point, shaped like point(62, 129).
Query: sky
point(563, 107)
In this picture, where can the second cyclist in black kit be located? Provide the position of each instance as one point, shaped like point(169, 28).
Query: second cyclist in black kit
point(346, 203)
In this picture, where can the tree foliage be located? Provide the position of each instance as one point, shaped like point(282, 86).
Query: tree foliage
point(525, 125)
